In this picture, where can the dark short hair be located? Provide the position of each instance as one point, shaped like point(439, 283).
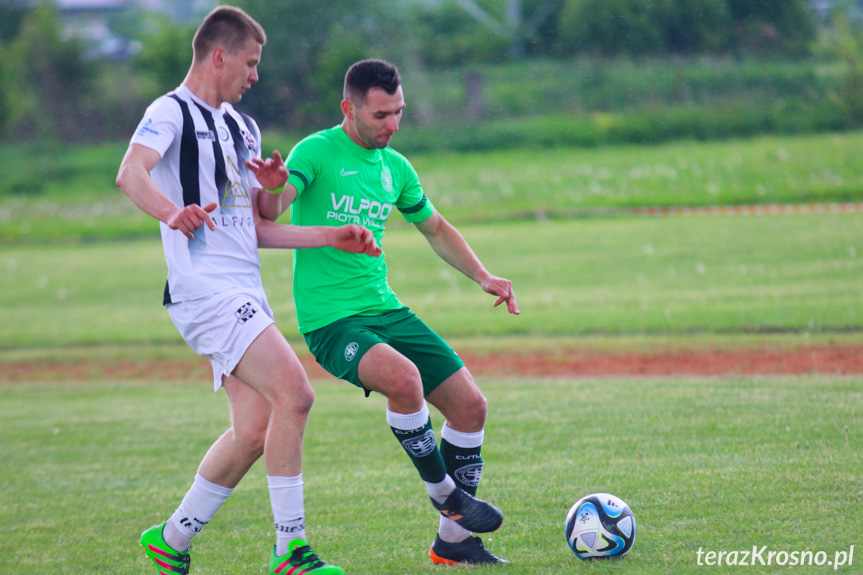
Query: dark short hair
point(229, 27)
point(364, 75)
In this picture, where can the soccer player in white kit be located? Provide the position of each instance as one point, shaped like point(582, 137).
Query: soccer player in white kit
point(186, 167)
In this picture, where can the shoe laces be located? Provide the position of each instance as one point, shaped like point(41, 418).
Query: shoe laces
point(306, 557)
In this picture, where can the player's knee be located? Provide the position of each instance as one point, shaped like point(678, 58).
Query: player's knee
point(468, 412)
point(471, 414)
point(405, 385)
point(296, 401)
point(305, 401)
point(479, 407)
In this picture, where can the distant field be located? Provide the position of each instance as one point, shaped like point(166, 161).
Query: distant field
point(622, 277)
point(561, 182)
point(84, 266)
point(62, 192)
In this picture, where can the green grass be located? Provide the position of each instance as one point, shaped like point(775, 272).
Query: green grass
point(78, 196)
point(718, 464)
point(571, 181)
point(659, 276)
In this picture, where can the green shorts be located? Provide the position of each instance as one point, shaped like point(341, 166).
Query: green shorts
point(339, 346)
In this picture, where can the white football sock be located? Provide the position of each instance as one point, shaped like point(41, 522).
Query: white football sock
point(286, 499)
point(462, 438)
point(196, 510)
point(408, 421)
point(452, 532)
point(440, 491)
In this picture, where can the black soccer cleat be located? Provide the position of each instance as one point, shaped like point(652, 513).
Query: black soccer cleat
point(471, 513)
point(471, 551)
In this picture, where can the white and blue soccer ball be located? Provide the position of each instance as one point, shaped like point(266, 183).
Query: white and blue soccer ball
point(600, 525)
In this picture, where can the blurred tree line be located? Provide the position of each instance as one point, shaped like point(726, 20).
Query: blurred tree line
point(49, 89)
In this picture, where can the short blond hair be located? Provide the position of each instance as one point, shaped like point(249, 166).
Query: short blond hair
point(229, 27)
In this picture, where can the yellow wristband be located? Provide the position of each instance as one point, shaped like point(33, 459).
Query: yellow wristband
point(278, 190)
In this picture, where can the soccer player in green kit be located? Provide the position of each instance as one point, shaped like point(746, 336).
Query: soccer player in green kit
point(354, 323)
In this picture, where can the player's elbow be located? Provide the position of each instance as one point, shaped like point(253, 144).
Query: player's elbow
point(269, 215)
point(268, 209)
point(125, 177)
point(122, 180)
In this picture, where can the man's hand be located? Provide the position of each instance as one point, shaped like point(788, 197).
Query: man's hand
point(355, 239)
point(192, 217)
point(503, 289)
point(271, 173)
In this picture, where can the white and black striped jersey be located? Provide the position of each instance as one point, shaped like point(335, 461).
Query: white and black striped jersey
point(203, 150)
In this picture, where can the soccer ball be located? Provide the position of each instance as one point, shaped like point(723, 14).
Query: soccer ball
point(600, 525)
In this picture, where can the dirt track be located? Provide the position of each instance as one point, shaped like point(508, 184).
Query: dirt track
point(844, 360)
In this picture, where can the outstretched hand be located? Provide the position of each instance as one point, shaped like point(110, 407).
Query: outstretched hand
point(503, 289)
point(192, 217)
point(355, 239)
point(271, 173)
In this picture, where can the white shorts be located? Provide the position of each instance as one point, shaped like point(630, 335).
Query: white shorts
point(221, 327)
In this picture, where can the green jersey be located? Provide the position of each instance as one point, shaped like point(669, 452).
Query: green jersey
point(340, 182)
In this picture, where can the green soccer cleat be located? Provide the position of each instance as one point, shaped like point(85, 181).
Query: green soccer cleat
point(167, 560)
point(300, 559)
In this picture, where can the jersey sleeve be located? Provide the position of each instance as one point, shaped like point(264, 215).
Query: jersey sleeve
point(160, 125)
point(412, 203)
point(304, 162)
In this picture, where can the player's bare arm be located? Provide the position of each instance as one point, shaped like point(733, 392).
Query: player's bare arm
point(348, 238)
point(451, 246)
point(272, 175)
point(134, 179)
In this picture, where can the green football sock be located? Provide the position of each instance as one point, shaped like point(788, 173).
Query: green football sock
point(415, 433)
point(462, 454)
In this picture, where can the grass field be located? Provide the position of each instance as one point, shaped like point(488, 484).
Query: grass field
point(717, 464)
point(573, 277)
point(76, 196)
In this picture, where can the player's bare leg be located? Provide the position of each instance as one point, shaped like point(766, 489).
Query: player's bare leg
point(228, 460)
point(461, 402)
point(272, 369)
point(464, 406)
point(385, 370)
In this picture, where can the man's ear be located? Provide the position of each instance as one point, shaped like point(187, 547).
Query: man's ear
point(348, 109)
point(217, 57)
